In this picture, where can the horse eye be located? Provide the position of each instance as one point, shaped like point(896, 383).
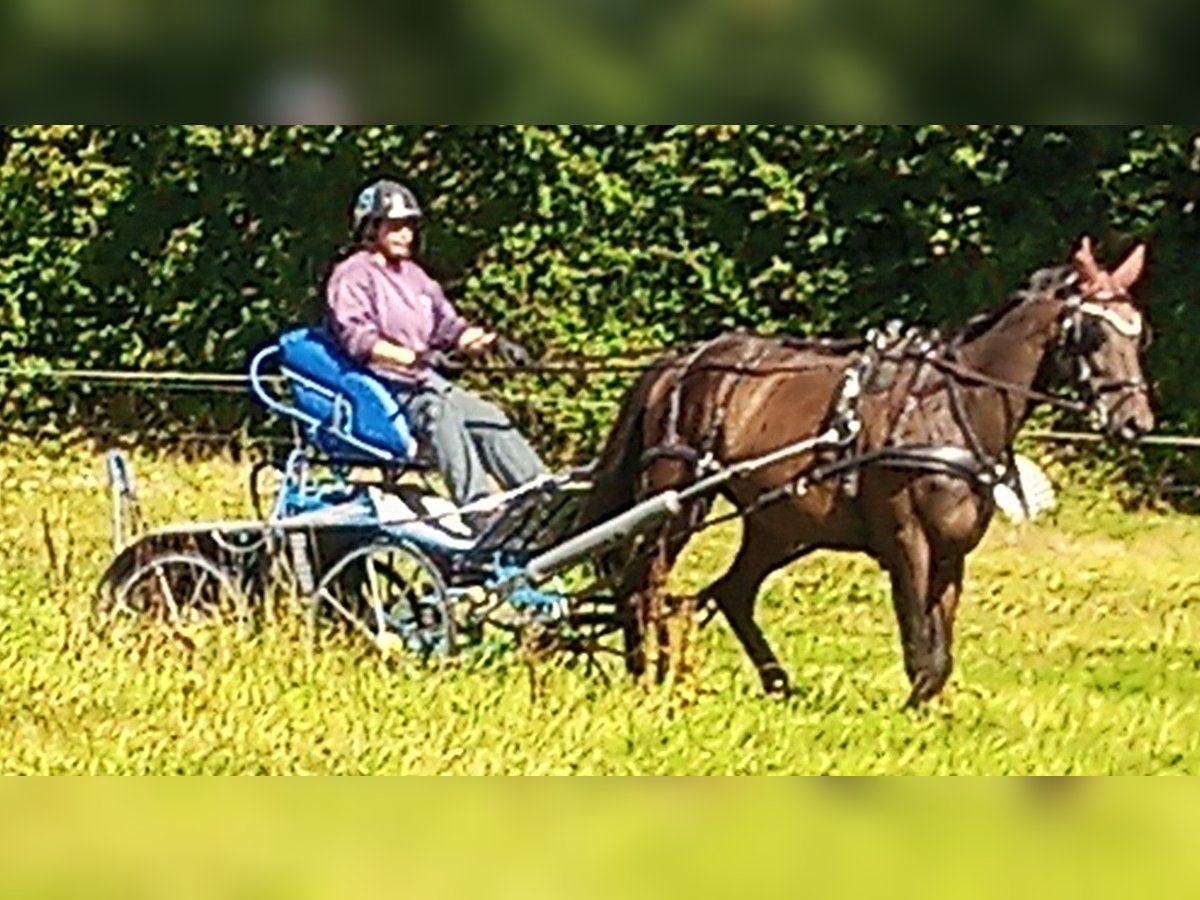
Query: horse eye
point(1088, 338)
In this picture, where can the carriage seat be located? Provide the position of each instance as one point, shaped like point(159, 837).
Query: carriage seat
point(347, 411)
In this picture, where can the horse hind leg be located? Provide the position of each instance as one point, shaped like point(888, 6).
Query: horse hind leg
point(677, 622)
point(655, 628)
point(637, 598)
point(736, 592)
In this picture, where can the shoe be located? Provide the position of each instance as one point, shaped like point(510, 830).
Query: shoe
point(479, 522)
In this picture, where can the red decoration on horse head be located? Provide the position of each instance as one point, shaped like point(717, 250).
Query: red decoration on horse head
point(1099, 284)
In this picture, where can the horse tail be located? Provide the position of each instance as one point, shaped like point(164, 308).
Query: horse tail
point(619, 467)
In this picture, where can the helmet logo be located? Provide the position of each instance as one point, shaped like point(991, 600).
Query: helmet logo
point(366, 202)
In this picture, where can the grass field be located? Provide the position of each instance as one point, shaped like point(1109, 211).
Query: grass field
point(1077, 653)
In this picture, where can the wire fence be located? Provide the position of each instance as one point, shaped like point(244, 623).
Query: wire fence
point(242, 425)
point(236, 383)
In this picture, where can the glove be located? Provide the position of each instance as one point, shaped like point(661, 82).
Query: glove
point(443, 361)
point(512, 352)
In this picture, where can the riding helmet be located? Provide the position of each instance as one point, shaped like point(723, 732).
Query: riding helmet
point(384, 199)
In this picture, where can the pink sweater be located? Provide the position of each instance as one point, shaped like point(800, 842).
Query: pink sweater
point(366, 300)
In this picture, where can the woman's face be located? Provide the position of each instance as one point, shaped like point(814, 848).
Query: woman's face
point(395, 238)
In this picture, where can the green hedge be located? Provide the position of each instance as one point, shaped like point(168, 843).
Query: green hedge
point(185, 247)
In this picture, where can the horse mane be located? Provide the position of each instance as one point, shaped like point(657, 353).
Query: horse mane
point(826, 345)
point(1040, 283)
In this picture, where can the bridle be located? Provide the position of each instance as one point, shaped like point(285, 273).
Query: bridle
point(1079, 310)
point(1074, 345)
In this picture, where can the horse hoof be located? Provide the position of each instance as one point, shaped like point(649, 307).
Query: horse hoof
point(775, 681)
point(924, 688)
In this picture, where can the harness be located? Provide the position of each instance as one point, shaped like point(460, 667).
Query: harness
point(872, 371)
point(701, 460)
point(671, 445)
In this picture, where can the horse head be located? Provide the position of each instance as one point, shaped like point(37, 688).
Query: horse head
point(1103, 337)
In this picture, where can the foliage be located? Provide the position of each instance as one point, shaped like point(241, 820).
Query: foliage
point(1076, 653)
point(185, 247)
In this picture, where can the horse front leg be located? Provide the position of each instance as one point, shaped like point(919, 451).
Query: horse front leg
point(924, 624)
point(945, 589)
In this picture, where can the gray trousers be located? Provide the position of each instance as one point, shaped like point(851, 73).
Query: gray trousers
point(470, 439)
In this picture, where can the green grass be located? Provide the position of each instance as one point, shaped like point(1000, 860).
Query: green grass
point(1077, 653)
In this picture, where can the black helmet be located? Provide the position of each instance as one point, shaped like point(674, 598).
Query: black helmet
point(383, 200)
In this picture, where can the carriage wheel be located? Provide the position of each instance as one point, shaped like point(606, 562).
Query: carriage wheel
point(593, 630)
point(394, 595)
point(174, 589)
point(590, 629)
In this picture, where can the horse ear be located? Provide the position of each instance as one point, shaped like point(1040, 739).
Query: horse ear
point(1130, 270)
point(1085, 261)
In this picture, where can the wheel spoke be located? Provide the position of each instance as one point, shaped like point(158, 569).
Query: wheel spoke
point(197, 594)
point(374, 595)
point(354, 621)
point(165, 593)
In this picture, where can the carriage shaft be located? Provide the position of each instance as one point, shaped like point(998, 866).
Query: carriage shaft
point(627, 524)
point(666, 503)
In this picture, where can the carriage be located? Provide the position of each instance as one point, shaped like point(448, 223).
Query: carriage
point(356, 532)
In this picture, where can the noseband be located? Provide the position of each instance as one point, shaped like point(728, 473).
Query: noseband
point(1078, 311)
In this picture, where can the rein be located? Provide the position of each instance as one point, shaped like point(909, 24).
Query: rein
point(965, 373)
point(585, 364)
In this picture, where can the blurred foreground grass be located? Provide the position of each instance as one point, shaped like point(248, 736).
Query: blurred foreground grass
point(1077, 653)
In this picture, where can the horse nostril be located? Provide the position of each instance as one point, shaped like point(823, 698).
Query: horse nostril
point(1131, 429)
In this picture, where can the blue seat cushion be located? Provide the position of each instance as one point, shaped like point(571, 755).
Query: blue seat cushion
point(352, 405)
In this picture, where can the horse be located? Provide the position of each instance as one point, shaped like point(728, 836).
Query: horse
point(924, 425)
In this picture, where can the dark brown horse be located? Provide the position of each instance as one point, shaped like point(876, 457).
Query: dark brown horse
point(924, 427)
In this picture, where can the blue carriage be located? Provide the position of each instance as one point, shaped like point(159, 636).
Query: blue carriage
point(358, 532)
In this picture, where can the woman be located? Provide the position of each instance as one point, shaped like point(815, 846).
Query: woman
point(387, 312)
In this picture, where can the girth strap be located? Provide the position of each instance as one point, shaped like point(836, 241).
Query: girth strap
point(679, 451)
point(934, 459)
